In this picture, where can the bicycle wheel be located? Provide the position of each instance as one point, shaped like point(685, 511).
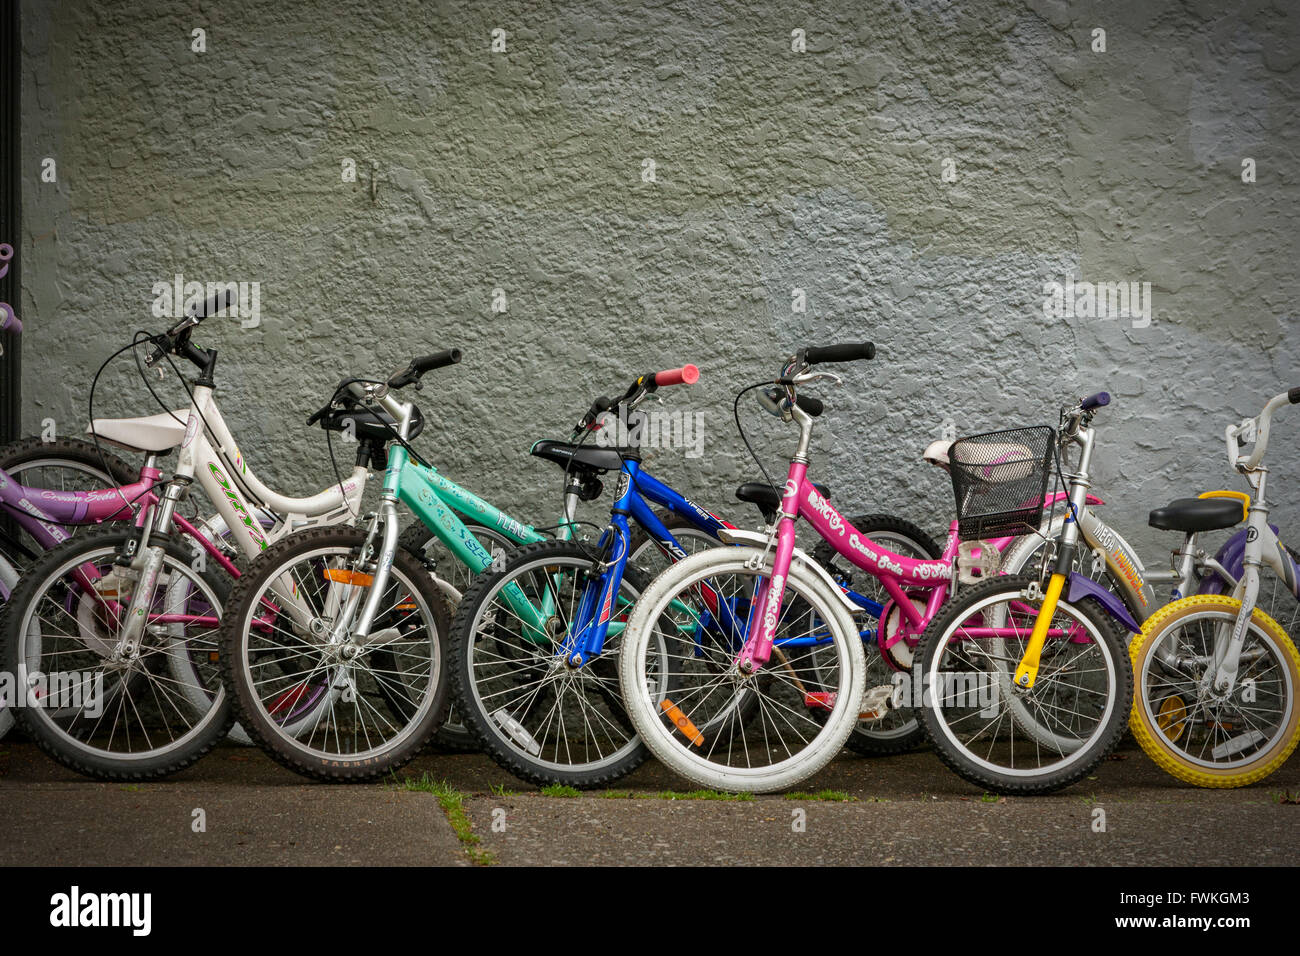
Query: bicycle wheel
point(109, 716)
point(453, 736)
point(899, 730)
point(382, 697)
point(536, 716)
point(66, 464)
point(1199, 736)
point(1083, 690)
point(645, 554)
point(687, 700)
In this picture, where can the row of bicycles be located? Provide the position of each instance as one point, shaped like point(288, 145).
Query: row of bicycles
point(341, 643)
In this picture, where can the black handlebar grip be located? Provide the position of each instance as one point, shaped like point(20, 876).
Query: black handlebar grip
point(222, 300)
point(848, 352)
point(811, 406)
point(1294, 395)
point(425, 363)
point(1100, 400)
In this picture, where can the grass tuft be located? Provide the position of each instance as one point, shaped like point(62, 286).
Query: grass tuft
point(560, 790)
point(452, 802)
point(833, 796)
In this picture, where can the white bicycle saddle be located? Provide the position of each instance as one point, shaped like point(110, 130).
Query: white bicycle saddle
point(155, 433)
point(936, 453)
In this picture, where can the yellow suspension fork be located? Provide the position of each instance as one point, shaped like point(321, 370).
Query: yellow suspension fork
point(1027, 671)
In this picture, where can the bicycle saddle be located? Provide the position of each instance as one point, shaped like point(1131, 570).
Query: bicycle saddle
point(155, 433)
point(936, 453)
point(767, 498)
point(574, 457)
point(1190, 515)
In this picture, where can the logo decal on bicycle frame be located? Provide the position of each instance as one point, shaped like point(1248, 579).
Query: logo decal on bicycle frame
point(237, 502)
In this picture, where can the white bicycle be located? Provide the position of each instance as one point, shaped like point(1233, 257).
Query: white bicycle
point(126, 617)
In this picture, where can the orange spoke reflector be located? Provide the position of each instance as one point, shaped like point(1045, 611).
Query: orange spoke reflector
point(819, 700)
point(682, 722)
point(341, 576)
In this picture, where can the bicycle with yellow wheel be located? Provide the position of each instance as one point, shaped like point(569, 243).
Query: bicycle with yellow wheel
point(1216, 676)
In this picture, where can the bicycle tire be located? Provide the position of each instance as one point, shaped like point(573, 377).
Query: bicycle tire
point(1156, 740)
point(15, 625)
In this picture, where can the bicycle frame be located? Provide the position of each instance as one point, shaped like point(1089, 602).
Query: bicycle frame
point(1262, 548)
point(226, 478)
point(585, 639)
point(1136, 583)
point(439, 503)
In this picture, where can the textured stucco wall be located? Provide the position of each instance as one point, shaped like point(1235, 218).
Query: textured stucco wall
point(775, 170)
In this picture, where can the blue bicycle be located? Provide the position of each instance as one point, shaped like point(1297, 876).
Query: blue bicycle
point(544, 701)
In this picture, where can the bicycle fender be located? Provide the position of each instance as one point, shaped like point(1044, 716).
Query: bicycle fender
point(757, 539)
point(1082, 587)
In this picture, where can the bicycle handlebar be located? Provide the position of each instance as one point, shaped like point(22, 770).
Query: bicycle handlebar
point(1261, 424)
point(686, 375)
point(418, 367)
point(222, 300)
point(1100, 400)
point(845, 352)
point(642, 384)
point(9, 321)
point(176, 338)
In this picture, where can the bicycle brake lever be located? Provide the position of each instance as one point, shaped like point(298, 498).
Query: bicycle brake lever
point(804, 378)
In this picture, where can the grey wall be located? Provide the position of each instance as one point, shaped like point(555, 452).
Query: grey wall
point(775, 170)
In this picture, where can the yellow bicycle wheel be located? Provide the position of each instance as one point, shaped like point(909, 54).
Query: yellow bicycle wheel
point(1207, 739)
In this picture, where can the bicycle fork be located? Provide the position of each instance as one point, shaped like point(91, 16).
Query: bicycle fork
point(148, 564)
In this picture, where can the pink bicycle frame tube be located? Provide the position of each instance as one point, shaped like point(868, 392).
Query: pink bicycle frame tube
point(769, 593)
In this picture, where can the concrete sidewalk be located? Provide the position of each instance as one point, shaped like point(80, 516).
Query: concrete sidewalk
point(904, 810)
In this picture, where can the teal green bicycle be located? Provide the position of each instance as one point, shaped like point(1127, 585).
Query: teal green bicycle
point(345, 627)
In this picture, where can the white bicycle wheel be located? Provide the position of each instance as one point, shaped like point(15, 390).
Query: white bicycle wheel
point(709, 722)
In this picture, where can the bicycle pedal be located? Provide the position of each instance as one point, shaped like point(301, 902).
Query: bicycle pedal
point(819, 700)
point(876, 702)
point(1239, 743)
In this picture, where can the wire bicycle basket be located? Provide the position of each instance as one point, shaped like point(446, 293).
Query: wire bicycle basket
point(1000, 480)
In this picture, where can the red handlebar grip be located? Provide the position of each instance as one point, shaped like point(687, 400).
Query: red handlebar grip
point(686, 375)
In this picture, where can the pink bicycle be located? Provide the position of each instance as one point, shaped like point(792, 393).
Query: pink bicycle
point(764, 677)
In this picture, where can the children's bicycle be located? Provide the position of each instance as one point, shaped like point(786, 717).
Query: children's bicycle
point(112, 633)
point(799, 657)
point(537, 682)
point(1215, 703)
point(335, 606)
